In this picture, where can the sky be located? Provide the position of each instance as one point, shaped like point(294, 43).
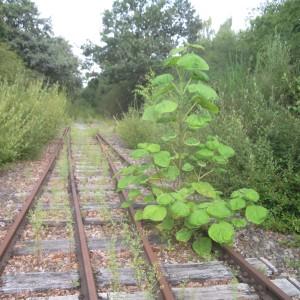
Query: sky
point(80, 20)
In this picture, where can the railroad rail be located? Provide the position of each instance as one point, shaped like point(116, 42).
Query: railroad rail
point(12, 234)
point(262, 284)
point(87, 284)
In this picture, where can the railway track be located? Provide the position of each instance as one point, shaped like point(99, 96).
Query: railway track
point(72, 240)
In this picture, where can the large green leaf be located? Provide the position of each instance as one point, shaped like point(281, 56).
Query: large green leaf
point(222, 232)
point(212, 144)
point(128, 170)
point(202, 246)
point(162, 159)
point(166, 106)
point(205, 189)
point(198, 121)
point(237, 203)
point(125, 181)
point(164, 199)
point(198, 217)
point(226, 151)
point(192, 62)
point(171, 173)
point(247, 194)
point(204, 153)
point(180, 209)
point(203, 90)
point(183, 235)
point(154, 212)
point(138, 153)
point(219, 209)
point(163, 79)
point(150, 114)
point(152, 148)
point(256, 213)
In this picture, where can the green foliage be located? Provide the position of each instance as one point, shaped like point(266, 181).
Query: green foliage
point(30, 115)
point(180, 101)
point(137, 36)
point(10, 64)
point(22, 28)
point(257, 71)
point(133, 129)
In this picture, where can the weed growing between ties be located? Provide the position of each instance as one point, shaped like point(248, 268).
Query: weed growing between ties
point(187, 205)
point(36, 219)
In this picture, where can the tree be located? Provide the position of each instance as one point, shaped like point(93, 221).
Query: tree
point(138, 35)
point(31, 37)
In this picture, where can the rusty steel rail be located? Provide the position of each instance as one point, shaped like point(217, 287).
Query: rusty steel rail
point(13, 232)
point(87, 282)
point(165, 288)
point(263, 285)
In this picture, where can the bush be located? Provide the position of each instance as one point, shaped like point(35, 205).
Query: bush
point(30, 115)
point(266, 138)
point(134, 130)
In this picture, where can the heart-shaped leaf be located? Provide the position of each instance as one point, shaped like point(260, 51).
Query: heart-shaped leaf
point(183, 235)
point(198, 217)
point(154, 212)
point(180, 209)
point(205, 189)
point(163, 79)
point(192, 62)
point(162, 159)
point(219, 209)
point(164, 199)
point(256, 213)
point(166, 106)
point(203, 90)
point(222, 232)
point(139, 153)
point(237, 203)
point(198, 121)
point(202, 246)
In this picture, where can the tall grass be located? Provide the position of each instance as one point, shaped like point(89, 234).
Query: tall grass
point(30, 115)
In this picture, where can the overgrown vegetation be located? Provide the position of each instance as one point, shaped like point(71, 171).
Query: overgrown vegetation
point(137, 36)
point(256, 73)
point(30, 115)
point(186, 204)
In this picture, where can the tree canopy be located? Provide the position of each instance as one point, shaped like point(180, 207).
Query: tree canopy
point(31, 37)
point(138, 35)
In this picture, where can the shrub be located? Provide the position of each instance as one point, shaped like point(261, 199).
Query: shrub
point(30, 115)
point(133, 129)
